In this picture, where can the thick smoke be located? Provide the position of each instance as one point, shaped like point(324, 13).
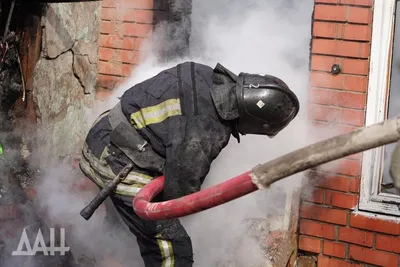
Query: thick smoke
point(270, 37)
point(255, 36)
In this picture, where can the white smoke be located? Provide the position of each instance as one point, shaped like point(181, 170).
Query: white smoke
point(254, 36)
point(269, 37)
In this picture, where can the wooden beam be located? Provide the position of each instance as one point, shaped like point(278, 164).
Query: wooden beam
point(29, 50)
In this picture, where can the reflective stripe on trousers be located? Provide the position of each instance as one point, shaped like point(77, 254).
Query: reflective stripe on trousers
point(167, 253)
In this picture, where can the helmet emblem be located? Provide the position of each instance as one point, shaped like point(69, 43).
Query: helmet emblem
point(260, 103)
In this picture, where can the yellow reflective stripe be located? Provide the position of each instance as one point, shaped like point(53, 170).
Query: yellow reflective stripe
point(136, 177)
point(157, 113)
point(101, 166)
point(103, 156)
point(167, 253)
point(122, 189)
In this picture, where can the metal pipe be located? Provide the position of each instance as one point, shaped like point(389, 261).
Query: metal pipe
point(264, 175)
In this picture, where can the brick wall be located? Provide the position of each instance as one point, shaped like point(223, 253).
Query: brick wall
point(124, 26)
point(328, 227)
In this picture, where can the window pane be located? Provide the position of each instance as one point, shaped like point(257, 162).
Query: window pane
point(394, 104)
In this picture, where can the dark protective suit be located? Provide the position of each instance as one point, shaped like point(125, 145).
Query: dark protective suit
point(175, 113)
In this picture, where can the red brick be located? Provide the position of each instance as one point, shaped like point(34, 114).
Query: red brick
point(110, 68)
point(9, 212)
point(126, 56)
point(114, 41)
point(331, 262)
point(326, 80)
point(143, 30)
point(128, 69)
point(327, 1)
point(356, 2)
point(336, 182)
point(126, 4)
point(107, 81)
point(374, 224)
point(357, 156)
point(388, 243)
point(316, 195)
point(355, 185)
point(128, 29)
point(107, 27)
point(144, 16)
point(340, 48)
point(349, 167)
point(325, 29)
point(375, 257)
point(355, 83)
point(355, 236)
point(331, 13)
point(359, 15)
point(134, 29)
point(317, 229)
point(106, 54)
point(126, 15)
point(143, 4)
point(349, 99)
point(341, 200)
point(356, 32)
point(320, 96)
point(353, 117)
point(140, 43)
point(334, 249)
point(355, 66)
point(128, 43)
point(323, 63)
point(108, 13)
point(324, 113)
point(309, 244)
point(346, 128)
point(325, 214)
point(365, 50)
point(109, 3)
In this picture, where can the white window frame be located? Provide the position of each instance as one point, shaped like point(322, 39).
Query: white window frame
point(379, 76)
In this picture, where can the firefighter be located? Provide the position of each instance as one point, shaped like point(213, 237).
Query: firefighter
point(175, 124)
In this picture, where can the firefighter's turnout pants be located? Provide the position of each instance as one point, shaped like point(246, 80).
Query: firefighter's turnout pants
point(161, 243)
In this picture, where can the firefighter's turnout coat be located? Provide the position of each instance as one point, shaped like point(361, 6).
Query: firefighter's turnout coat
point(174, 124)
point(179, 133)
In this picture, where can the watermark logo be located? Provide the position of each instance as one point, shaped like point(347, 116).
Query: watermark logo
point(40, 245)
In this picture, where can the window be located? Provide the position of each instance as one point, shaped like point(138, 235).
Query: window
point(377, 193)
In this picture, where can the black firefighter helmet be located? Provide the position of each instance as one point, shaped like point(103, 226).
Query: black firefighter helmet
point(266, 104)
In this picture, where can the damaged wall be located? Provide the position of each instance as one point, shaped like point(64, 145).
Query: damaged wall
point(65, 76)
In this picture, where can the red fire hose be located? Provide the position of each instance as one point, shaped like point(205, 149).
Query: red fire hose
point(199, 201)
point(262, 176)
